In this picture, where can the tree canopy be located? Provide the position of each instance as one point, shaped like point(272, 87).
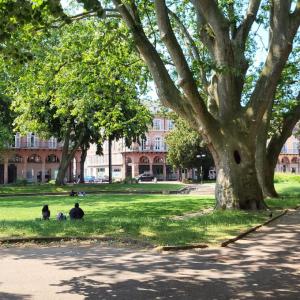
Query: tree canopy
point(81, 85)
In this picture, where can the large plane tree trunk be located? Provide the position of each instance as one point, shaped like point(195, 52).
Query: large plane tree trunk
point(237, 185)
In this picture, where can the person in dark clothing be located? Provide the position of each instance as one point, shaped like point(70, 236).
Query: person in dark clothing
point(72, 193)
point(76, 212)
point(45, 212)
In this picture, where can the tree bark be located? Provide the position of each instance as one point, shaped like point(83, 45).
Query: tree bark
point(267, 155)
point(84, 150)
point(237, 186)
point(67, 157)
point(109, 161)
point(62, 170)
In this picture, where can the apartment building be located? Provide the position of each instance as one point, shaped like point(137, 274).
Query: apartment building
point(34, 160)
point(148, 156)
point(289, 158)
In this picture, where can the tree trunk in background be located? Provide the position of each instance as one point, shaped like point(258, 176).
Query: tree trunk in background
point(267, 156)
point(84, 150)
point(62, 170)
point(67, 157)
point(109, 161)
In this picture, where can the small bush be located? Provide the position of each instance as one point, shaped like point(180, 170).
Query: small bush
point(129, 180)
point(187, 181)
point(21, 182)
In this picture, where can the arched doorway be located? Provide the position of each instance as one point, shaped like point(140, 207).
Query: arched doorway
point(158, 167)
point(285, 164)
point(144, 165)
point(13, 168)
point(34, 173)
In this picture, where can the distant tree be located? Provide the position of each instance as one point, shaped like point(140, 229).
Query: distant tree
point(78, 93)
point(186, 149)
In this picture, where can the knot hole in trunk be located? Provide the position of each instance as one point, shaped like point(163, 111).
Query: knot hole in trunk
point(237, 157)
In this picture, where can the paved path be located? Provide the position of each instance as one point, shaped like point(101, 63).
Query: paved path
point(203, 189)
point(259, 267)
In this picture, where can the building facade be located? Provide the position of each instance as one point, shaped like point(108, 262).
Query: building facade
point(34, 160)
point(148, 156)
point(289, 158)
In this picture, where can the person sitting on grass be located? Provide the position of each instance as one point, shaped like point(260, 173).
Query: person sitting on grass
point(73, 193)
point(76, 213)
point(45, 212)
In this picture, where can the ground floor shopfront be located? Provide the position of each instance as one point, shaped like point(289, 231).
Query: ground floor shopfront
point(34, 165)
point(152, 162)
point(288, 163)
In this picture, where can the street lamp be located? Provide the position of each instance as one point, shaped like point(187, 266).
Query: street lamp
point(201, 156)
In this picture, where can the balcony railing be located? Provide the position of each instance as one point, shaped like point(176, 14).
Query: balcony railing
point(37, 145)
point(148, 148)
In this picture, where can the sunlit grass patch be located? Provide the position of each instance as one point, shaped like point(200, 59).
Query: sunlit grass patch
point(116, 187)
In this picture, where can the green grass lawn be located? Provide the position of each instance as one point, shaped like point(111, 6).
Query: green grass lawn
point(116, 187)
point(143, 217)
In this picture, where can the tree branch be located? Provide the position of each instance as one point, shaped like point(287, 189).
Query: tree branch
point(167, 91)
point(187, 81)
point(213, 16)
point(282, 32)
point(244, 29)
point(277, 141)
point(192, 45)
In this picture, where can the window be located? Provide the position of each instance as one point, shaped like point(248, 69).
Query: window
point(158, 143)
point(17, 140)
point(32, 140)
point(144, 144)
point(157, 124)
point(117, 170)
point(295, 147)
point(52, 158)
point(158, 160)
point(144, 160)
point(170, 125)
point(52, 143)
point(34, 158)
point(16, 159)
point(284, 149)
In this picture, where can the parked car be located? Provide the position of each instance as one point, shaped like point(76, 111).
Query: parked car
point(103, 178)
point(145, 177)
point(89, 179)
